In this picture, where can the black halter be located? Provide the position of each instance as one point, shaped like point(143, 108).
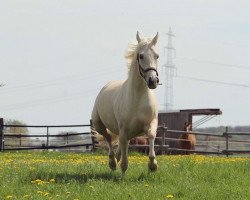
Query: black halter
point(143, 71)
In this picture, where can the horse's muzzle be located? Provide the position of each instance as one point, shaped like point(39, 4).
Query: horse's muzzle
point(153, 82)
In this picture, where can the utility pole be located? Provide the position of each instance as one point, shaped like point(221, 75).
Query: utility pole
point(169, 73)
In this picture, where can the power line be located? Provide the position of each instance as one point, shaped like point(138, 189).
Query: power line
point(46, 101)
point(214, 42)
point(59, 81)
point(214, 63)
point(212, 81)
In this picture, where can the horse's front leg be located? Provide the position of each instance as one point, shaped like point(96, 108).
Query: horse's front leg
point(123, 148)
point(152, 165)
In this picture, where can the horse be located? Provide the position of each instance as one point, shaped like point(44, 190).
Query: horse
point(143, 141)
point(187, 140)
point(129, 108)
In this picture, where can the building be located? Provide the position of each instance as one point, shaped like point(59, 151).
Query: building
point(175, 120)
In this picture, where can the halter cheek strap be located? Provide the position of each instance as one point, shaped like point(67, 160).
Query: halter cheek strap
point(143, 71)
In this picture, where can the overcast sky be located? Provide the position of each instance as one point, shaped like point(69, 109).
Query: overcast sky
point(56, 55)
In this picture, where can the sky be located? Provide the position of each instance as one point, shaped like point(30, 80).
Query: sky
point(55, 55)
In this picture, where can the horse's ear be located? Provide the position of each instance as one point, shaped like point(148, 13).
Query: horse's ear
point(138, 37)
point(154, 40)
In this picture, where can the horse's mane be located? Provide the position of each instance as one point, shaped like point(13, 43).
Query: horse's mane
point(133, 49)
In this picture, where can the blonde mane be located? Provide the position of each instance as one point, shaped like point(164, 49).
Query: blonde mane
point(133, 49)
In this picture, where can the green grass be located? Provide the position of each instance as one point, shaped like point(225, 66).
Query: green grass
point(53, 175)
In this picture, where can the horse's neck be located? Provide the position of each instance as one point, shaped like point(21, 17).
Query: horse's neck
point(136, 84)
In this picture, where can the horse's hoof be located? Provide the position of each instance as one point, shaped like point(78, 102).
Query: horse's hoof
point(124, 167)
point(112, 164)
point(152, 166)
point(118, 157)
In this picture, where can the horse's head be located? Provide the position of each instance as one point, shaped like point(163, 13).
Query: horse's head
point(147, 61)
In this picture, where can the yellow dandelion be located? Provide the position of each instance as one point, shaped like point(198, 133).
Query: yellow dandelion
point(46, 194)
point(40, 192)
point(146, 185)
point(57, 195)
point(92, 187)
point(67, 193)
point(40, 183)
point(170, 196)
point(26, 196)
point(52, 180)
point(9, 197)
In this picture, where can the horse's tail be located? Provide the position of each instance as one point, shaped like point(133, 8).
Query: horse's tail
point(101, 140)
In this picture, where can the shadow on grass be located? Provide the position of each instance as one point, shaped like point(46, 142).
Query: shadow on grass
point(80, 178)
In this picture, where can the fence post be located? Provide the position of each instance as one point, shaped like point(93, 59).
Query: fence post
point(1, 135)
point(67, 141)
point(163, 142)
point(92, 136)
point(227, 141)
point(47, 143)
point(20, 140)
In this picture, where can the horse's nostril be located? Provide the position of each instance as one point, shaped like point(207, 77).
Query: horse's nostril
point(157, 80)
point(151, 81)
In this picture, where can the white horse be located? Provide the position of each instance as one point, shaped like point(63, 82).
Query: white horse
point(129, 108)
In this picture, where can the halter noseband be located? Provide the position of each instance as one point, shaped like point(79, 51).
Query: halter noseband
point(143, 71)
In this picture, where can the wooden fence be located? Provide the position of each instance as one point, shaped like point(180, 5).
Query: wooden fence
point(226, 143)
point(45, 140)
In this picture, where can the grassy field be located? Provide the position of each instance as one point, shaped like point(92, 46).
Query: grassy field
point(52, 175)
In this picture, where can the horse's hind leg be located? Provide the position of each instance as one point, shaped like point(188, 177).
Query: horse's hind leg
point(118, 153)
point(100, 128)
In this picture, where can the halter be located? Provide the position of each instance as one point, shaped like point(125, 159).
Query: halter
point(143, 71)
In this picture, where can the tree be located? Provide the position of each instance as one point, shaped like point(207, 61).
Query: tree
point(15, 141)
point(68, 138)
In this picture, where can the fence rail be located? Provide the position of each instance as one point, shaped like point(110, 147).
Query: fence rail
point(45, 138)
point(40, 136)
point(226, 138)
point(225, 142)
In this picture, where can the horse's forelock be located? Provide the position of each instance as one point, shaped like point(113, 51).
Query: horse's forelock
point(134, 48)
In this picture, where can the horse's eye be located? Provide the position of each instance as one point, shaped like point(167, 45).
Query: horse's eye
point(157, 56)
point(141, 56)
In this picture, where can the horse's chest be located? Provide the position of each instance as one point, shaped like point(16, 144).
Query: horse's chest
point(138, 125)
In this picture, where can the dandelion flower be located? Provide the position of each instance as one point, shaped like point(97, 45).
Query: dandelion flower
point(146, 185)
point(92, 187)
point(46, 194)
point(170, 196)
point(9, 197)
point(39, 192)
point(52, 180)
